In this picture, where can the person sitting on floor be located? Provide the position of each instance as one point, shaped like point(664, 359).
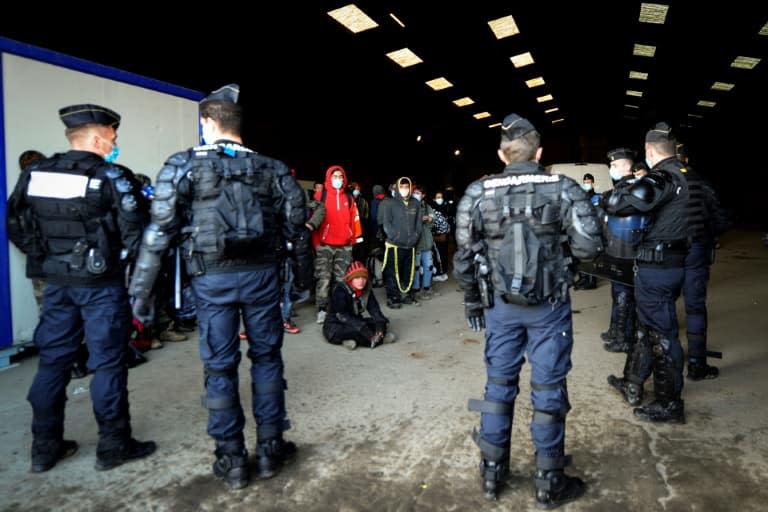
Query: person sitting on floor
point(346, 322)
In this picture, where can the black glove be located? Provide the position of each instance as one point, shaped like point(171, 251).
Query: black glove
point(144, 310)
point(474, 311)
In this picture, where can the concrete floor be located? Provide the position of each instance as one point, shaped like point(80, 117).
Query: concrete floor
point(388, 429)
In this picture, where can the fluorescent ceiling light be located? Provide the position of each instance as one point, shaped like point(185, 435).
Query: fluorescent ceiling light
point(542, 99)
point(550, 110)
point(397, 20)
point(644, 50)
point(653, 13)
point(494, 125)
point(463, 102)
point(560, 120)
point(404, 57)
point(522, 59)
point(638, 75)
point(764, 30)
point(697, 116)
point(744, 62)
point(353, 18)
point(439, 84)
point(705, 103)
point(481, 115)
point(631, 106)
point(534, 82)
point(504, 27)
point(630, 92)
point(722, 86)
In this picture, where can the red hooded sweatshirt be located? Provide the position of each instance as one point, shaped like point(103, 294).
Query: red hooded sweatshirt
point(341, 225)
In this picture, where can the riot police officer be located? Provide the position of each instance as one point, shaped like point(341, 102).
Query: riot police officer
point(515, 272)
point(707, 220)
point(622, 236)
point(83, 216)
point(230, 209)
point(660, 260)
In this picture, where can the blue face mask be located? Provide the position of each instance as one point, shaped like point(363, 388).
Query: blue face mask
point(112, 155)
point(615, 175)
point(356, 193)
point(648, 163)
point(337, 183)
point(586, 186)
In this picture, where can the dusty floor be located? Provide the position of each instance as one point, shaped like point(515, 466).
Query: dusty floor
point(388, 429)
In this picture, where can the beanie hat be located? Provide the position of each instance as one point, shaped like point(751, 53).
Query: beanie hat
point(356, 269)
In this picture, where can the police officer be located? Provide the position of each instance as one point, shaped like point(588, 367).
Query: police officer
point(659, 278)
point(515, 274)
point(230, 209)
point(622, 236)
point(82, 215)
point(706, 220)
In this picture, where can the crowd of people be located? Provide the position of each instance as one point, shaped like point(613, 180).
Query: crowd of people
point(227, 242)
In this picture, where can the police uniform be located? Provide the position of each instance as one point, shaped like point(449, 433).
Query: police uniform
point(84, 218)
point(660, 259)
point(622, 237)
point(520, 293)
point(230, 209)
point(705, 221)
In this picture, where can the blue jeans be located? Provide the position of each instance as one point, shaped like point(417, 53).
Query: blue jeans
point(423, 275)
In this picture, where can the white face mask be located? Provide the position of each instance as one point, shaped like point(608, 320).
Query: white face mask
point(416, 196)
point(439, 200)
point(586, 186)
point(615, 174)
point(337, 183)
point(404, 192)
point(355, 192)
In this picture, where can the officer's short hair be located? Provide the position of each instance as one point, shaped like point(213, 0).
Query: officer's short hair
point(519, 139)
point(662, 139)
point(221, 106)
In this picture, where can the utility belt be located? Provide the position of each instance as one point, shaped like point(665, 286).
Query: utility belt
point(670, 253)
point(82, 257)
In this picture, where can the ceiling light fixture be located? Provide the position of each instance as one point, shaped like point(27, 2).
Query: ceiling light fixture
point(534, 82)
point(353, 18)
point(644, 50)
point(522, 59)
point(481, 115)
point(631, 106)
point(560, 120)
point(463, 102)
point(438, 84)
point(494, 125)
point(706, 103)
point(397, 20)
point(653, 13)
point(742, 62)
point(638, 94)
point(638, 75)
point(722, 86)
point(504, 27)
point(404, 57)
point(551, 110)
point(764, 30)
point(546, 97)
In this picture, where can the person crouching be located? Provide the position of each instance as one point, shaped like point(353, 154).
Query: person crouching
point(354, 316)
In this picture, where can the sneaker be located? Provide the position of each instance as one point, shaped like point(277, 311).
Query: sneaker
point(169, 335)
point(156, 344)
point(243, 336)
point(233, 469)
point(131, 450)
point(349, 344)
point(45, 454)
point(389, 338)
point(290, 327)
point(271, 455)
point(321, 316)
point(440, 278)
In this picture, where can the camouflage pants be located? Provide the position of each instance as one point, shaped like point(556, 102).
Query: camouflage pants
point(331, 264)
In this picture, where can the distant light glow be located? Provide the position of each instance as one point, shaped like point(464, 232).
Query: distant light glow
point(534, 82)
point(456, 152)
point(551, 110)
point(494, 125)
point(628, 105)
point(418, 138)
point(706, 103)
point(546, 97)
point(353, 18)
point(481, 115)
point(559, 120)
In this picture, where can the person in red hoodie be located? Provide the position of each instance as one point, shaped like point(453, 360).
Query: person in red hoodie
point(340, 230)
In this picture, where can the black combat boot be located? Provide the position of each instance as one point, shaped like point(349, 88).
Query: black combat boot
point(700, 370)
point(609, 335)
point(46, 453)
point(232, 464)
point(108, 457)
point(493, 474)
point(631, 392)
point(554, 488)
point(672, 411)
point(270, 456)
